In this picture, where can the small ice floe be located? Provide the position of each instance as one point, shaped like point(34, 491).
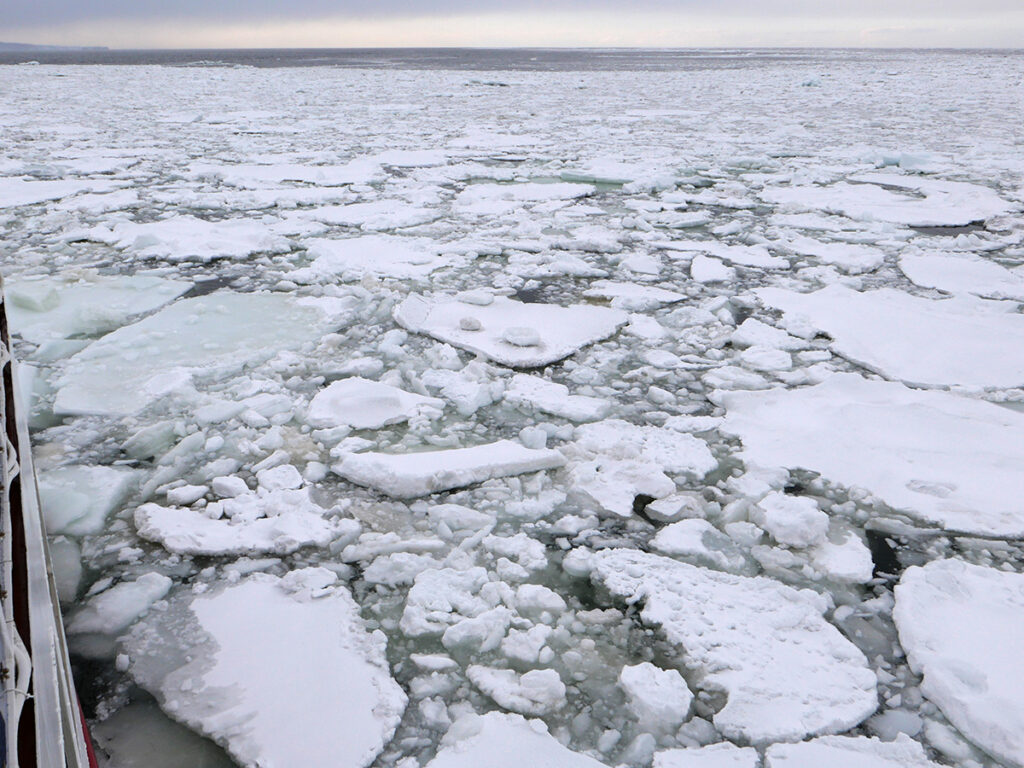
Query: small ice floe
point(705, 269)
point(500, 740)
point(279, 671)
point(499, 199)
point(363, 404)
point(632, 297)
point(787, 672)
point(526, 391)
point(510, 332)
point(722, 755)
point(409, 475)
point(849, 752)
point(16, 191)
point(614, 461)
point(944, 459)
point(186, 238)
point(963, 273)
point(381, 255)
point(77, 500)
point(851, 258)
point(252, 176)
point(47, 308)
point(376, 215)
point(962, 627)
point(959, 341)
point(659, 699)
point(207, 337)
point(913, 201)
point(738, 255)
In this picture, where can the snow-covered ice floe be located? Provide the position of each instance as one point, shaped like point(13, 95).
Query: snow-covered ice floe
point(199, 338)
point(722, 755)
point(186, 238)
point(500, 740)
point(380, 255)
point(962, 627)
point(364, 404)
point(964, 273)
point(848, 752)
point(529, 391)
point(785, 671)
point(963, 340)
point(945, 459)
point(509, 332)
point(408, 475)
point(279, 671)
point(913, 201)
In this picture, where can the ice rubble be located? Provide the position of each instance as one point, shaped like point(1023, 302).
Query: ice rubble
point(945, 459)
point(409, 475)
point(509, 332)
point(204, 337)
point(381, 255)
point(962, 627)
point(848, 752)
point(83, 304)
point(500, 740)
point(913, 201)
point(963, 341)
point(279, 671)
point(963, 273)
point(787, 673)
point(362, 404)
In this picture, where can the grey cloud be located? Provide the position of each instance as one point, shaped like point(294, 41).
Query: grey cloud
point(26, 13)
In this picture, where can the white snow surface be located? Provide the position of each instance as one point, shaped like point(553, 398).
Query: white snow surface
point(945, 459)
point(849, 752)
point(787, 673)
point(279, 671)
point(963, 273)
point(510, 332)
point(409, 475)
point(382, 255)
point(722, 755)
point(963, 341)
point(962, 627)
point(500, 740)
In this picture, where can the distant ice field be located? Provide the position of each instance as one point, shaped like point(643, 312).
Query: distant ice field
point(628, 408)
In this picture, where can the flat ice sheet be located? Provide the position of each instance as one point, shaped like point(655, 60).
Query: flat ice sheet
point(510, 332)
point(186, 238)
point(362, 404)
point(279, 671)
point(913, 201)
point(927, 342)
point(787, 672)
point(408, 475)
point(381, 255)
point(945, 459)
point(204, 337)
point(42, 309)
point(849, 752)
point(962, 627)
point(499, 740)
point(964, 273)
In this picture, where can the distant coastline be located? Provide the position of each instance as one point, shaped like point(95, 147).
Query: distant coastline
point(24, 47)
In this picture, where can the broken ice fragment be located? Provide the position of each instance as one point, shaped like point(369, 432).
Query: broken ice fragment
point(364, 404)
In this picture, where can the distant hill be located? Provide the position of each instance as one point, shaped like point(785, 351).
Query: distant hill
point(29, 47)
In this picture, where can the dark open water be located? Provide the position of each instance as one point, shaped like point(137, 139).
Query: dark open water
point(529, 59)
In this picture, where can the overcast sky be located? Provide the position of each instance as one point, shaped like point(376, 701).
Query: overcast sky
point(340, 23)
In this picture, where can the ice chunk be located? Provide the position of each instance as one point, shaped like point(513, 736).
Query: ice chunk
point(743, 255)
point(963, 340)
point(207, 337)
point(945, 459)
point(499, 199)
point(962, 627)
point(560, 331)
point(113, 610)
point(705, 269)
point(279, 522)
point(698, 539)
point(186, 238)
point(361, 170)
point(409, 475)
point(963, 273)
point(849, 752)
point(754, 333)
point(551, 397)
point(632, 297)
point(849, 257)
point(376, 214)
point(238, 663)
point(382, 255)
point(787, 672)
point(537, 692)
point(914, 201)
point(44, 309)
point(77, 500)
point(722, 755)
point(16, 192)
point(499, 740)
point(658, 698)
point(794, 521)
point(364, 404)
